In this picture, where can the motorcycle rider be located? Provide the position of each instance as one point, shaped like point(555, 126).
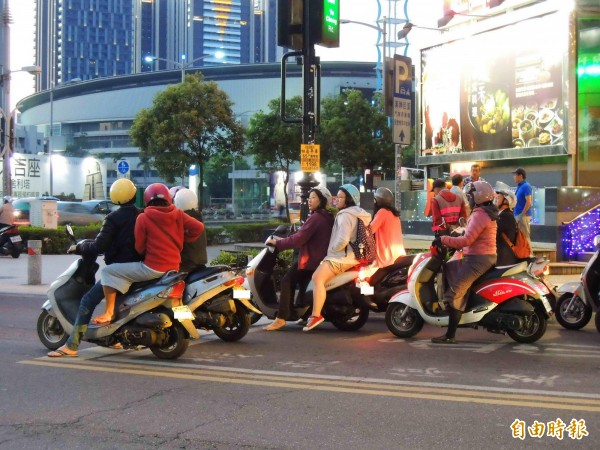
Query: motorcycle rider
point(7, 212)
point(312, 239)
point(116, 241)
point(339, 258)
point(446, 207)
point(479, 254)
point(160, 232)
point(387, 228)
point(194, 254)
point(505, 200)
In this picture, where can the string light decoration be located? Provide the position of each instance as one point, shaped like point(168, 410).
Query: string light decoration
point(578, 236)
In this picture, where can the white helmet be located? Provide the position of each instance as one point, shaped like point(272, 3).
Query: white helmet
point(185, 200)
point(175, 189)
point(8, 199)
point(325, 193)
point(506, 191)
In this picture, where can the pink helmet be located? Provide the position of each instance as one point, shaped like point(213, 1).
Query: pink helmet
point(156, 190)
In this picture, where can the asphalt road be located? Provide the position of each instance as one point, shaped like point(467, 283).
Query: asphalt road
point(293, 390)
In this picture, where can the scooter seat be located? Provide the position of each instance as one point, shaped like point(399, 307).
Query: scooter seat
point(166, 278)
point(205, 272)
point(505, 271)
point(401, 262)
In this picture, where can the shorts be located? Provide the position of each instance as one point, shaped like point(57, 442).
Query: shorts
point(121, 276)
point(338, 268)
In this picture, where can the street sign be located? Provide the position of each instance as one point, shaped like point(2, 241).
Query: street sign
point(123, 169)
point(310, 157)
point(402, 99)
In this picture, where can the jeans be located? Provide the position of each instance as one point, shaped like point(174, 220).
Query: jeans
point(293, 278)
point(90, 300)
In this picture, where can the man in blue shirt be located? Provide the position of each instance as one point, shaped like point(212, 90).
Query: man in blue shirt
point(524, 202)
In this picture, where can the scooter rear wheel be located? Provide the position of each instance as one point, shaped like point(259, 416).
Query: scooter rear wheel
point(531, 331)
point(571, 312)
point(237, 326)
point(353, 323)
point(402, 320)
point(176, 346)
point(50, 331)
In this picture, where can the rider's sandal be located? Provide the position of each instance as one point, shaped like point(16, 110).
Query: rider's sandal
point(60, 353)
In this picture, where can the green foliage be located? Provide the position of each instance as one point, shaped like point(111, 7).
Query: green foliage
point(56, 242)
point(282, 264)
point(348, 134)
point(274, 143)
point(188, 123)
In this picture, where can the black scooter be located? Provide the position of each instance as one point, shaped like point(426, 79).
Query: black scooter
point(11, 242)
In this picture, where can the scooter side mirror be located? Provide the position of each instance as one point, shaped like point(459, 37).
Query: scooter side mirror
point(280, 231)
point(70, 233)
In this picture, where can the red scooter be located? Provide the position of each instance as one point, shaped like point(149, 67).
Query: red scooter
point(509, 300)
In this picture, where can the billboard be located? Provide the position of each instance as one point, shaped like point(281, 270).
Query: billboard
point(496, 90)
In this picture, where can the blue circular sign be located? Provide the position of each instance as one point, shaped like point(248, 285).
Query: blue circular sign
point(123, 167)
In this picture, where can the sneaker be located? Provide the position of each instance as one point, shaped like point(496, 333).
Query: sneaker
point(313, 321)
point(443, 340)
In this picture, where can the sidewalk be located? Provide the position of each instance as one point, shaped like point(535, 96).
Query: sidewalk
point(13, 272)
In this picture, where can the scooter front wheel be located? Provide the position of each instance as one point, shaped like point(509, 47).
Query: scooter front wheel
point(176, 344)
point(402, 320)
point(354, 322)
point(572, 313)
point(50, 331)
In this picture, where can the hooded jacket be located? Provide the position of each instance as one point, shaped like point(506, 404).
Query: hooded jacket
point(344, 231)
point(115, 239)
point(160, 232)
point(480, 236)
point(447, 206)
point(312, 239)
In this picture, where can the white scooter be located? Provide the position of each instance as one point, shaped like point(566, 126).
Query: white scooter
point(151, 314)
point(579, 300)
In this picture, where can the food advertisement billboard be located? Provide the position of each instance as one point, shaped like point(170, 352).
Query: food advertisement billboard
point(500, 89)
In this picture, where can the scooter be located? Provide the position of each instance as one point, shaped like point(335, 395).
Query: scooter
point(579, 300)
point(344, 307)
point(509, 300)
point(151, 314)
point(216, 297)
point(11, 242)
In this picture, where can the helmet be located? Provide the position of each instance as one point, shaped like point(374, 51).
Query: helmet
point(175, 189)
point(480, 192)
point(185, 199)
point(505, 190)
point(8, 199)
point(156, 190)
point(353, 192)
point(122, 191)
point(384, 197)
point(324, 192)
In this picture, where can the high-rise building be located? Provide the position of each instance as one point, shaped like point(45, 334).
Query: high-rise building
point(86, 39)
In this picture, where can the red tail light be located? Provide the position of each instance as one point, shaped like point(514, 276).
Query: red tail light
point(237, 280)
point(177, 290)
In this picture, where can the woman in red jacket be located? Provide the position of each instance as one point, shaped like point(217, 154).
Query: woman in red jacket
point(312, 239)
point(159, 235)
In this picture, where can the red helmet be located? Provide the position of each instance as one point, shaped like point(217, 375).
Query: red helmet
point(156, 190)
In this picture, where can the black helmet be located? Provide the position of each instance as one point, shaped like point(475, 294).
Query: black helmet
point(384, 197)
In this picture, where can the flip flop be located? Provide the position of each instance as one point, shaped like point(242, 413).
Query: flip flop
point(60, 353)
point(105, 322)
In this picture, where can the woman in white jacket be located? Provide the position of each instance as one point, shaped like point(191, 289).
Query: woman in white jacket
point(340, 256)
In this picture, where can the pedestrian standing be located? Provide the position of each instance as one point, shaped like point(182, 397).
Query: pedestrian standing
point(475, 175)
point(457, 188)
point(523, 208)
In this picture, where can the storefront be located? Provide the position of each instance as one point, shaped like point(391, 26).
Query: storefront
point(518, 86)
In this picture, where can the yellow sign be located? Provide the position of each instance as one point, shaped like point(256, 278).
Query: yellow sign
point(310, 157)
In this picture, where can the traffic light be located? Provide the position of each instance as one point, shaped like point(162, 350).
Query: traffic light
point(324, 23)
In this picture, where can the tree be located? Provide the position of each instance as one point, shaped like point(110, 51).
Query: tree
point(188, 123)
point(146, 165)
point(354, 133)
point(79, 147)
point(274, 143)
point(217, 175)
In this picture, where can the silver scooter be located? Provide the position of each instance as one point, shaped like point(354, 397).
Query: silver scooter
point(579, 300)
point(151, 314)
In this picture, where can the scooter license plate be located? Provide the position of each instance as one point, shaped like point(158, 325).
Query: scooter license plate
point(15, 238)
point(241, 293)
point(182, 312)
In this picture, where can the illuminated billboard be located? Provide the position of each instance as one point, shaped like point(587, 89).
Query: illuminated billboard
point(495, 90)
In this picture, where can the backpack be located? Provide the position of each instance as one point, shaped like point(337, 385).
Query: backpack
point(364, 244)
point(521, 248)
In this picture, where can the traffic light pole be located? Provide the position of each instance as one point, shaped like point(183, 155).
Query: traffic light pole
point(310, 105)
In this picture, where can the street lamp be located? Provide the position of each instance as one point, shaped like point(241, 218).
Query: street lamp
point(184, 65)
point(5, 122)
point(409, 26)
